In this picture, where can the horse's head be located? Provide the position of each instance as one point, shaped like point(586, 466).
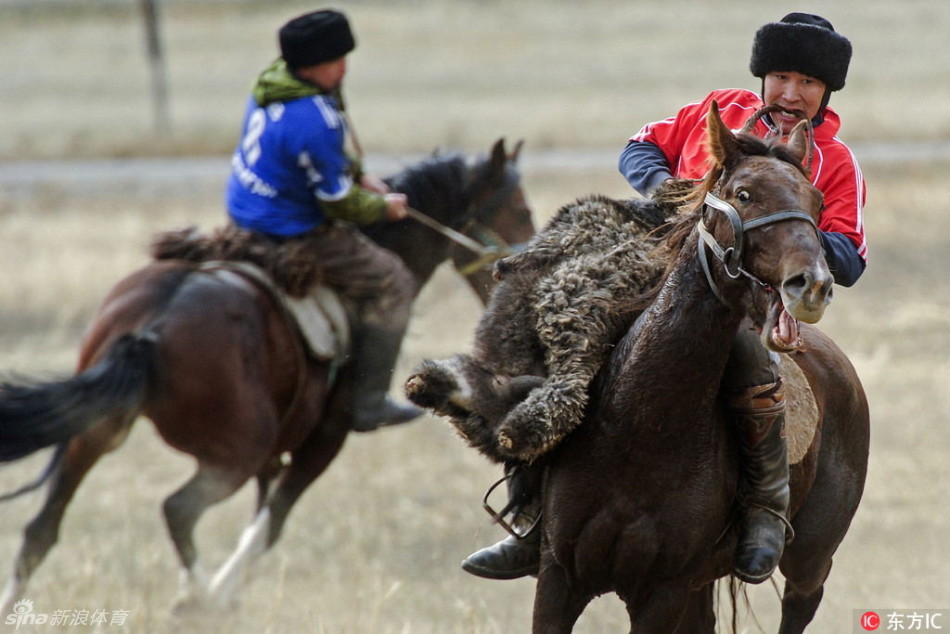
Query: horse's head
point(497, 215)
point(760, 221)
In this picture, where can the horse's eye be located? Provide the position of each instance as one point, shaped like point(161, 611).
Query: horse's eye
point(743, 196)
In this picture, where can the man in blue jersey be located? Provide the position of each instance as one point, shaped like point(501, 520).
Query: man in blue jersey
point(291, 179)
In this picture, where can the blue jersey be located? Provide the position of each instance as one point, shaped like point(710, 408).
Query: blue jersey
point(290, 158)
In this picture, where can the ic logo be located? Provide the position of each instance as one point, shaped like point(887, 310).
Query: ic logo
point(870, 621)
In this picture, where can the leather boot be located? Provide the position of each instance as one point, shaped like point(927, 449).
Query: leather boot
point(514, 557)
point(375, 351)
point(760, 413)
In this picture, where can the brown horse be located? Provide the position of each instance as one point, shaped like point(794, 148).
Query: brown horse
point(212, 360)
point(640, 499)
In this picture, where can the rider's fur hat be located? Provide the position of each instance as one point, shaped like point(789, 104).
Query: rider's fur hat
point(803, 43)
point(316, 37)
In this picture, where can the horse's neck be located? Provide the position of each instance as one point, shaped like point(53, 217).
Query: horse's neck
point(676, 351)
point(434, 189)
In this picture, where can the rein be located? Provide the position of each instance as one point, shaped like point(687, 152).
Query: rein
point(489, 248)
point(456, 236)
point(476, 236)
point(731, 257)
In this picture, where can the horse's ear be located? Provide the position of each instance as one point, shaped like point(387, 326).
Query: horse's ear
point(513, 157)
point(798, 141)
point(498, 158)
point(722, 142)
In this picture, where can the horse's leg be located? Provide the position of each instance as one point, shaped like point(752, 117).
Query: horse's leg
point(556, 606)
point(799, 604)
point(265, 480)
point(307, 463)
point(309, 460)
point(665, 610)
point(821, 524)
point(183, 509)
point(806, 563)
point(252, 544)
point(700, 615)
point(42, 533)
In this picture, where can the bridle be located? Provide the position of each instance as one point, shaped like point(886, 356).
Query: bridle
point(731, 257)
point(481, 239)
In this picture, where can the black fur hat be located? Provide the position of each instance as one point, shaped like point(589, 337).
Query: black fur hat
point(316, 37)
point(803, 43)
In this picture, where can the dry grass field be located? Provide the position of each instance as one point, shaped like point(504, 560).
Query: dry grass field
point(374, 545)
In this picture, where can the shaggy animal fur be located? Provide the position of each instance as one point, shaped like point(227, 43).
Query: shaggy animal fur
point(557, 311)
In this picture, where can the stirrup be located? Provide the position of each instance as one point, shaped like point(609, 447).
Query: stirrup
point(499, 516)
point(789, 529)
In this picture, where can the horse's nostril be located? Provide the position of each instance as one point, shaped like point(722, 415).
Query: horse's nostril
point(797, 283)
point(808, 284)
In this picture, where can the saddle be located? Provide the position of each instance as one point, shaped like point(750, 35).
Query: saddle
point(320, 317)
point(288, 272)
point(801, 410)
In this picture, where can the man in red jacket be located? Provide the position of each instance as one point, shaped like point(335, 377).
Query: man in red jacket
point(801, 60)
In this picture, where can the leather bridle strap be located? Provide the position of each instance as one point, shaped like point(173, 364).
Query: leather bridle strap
point(731, 257)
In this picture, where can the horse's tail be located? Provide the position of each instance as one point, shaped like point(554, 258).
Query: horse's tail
point(35, 416)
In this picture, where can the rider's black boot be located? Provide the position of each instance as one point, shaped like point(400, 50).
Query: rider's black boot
point(760, 413)
point(375, 350)
point(514, 557)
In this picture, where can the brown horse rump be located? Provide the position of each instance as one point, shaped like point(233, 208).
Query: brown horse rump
point(293, 265)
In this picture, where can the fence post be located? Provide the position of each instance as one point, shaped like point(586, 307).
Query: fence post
point(156, 60)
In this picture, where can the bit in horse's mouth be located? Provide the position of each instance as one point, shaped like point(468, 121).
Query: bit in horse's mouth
point(781, 332)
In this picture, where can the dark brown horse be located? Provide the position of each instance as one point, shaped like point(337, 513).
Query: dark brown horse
point(212, 360)
point(639, 500)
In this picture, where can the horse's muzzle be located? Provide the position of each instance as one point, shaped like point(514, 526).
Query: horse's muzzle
point(807, 294)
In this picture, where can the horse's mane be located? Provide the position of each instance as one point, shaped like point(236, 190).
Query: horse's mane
point(435, 178)
point(451, 182)
point(447, 183)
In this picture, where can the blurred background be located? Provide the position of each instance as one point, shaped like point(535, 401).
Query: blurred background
point(108, 136)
